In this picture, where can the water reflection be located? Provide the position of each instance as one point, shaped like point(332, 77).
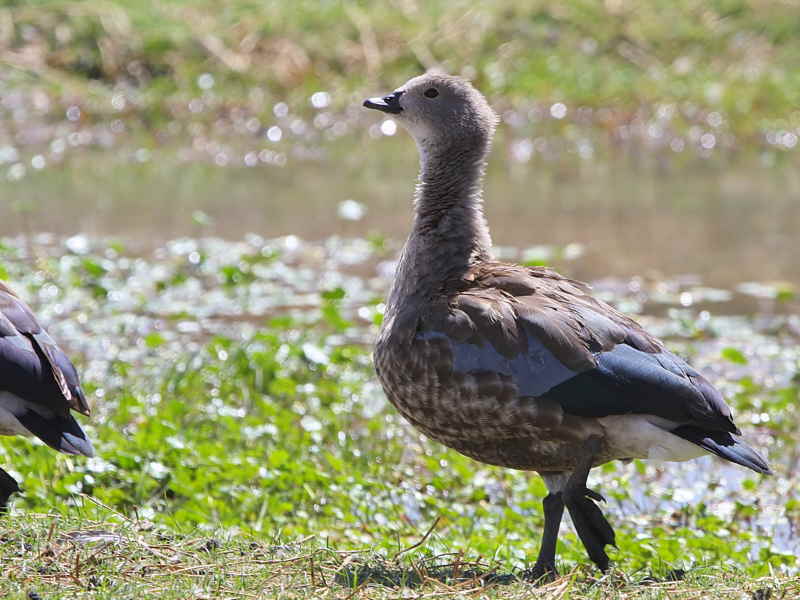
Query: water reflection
point(654, 191)
point(731, 225)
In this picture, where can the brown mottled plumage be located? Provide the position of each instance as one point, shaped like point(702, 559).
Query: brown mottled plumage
point(521, 367)
point(481, 413)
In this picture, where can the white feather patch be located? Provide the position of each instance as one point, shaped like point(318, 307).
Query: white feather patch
point(647, 436)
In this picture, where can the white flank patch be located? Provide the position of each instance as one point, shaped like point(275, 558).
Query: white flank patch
point(647, 436)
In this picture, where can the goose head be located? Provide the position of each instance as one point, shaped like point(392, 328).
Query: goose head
point(439, 111)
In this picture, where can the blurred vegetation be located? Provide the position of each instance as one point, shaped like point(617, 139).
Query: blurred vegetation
point(738, 57)
point(234, 398)
point(236, 409)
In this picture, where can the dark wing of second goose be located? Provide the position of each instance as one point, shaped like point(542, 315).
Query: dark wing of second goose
point(38, 384)
point(557, 342)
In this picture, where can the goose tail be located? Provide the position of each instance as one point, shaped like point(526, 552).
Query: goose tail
point(60, 432)
point(725, 445)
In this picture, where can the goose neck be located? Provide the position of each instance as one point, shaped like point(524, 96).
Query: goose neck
point(450, 233)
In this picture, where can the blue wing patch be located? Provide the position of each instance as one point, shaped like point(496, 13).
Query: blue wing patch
point(534, 372)
point(625, 381)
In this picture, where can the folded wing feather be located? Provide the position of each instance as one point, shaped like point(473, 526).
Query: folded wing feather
point(30, 358)
point(557, 341)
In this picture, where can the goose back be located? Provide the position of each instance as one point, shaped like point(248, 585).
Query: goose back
point(513, 365)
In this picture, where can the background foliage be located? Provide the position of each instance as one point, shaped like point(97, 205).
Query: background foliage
point(244, 447)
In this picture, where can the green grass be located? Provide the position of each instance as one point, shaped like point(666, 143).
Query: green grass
point(216, 416)
point(103, 555)
point(736, 57)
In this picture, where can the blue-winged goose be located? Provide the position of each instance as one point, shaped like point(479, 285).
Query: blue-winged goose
point(38, 387)
point(519, 366)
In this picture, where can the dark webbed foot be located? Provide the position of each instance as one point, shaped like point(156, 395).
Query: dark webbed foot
point(593, 495)
point(8, 486)
point(593, 529)
point(541, 572)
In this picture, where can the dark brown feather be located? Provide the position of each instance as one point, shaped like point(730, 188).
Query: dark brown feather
point(481, 411)
point(559, 311)
point(16, 319)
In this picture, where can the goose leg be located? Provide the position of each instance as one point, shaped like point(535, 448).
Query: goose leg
point(545, 567)
point(8, 486)
point(593, 529)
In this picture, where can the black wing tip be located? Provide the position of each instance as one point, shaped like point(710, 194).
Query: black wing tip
point(75, 445)
point(81, 405)
point(746, 456)
point(725, 445)
point(62, 433)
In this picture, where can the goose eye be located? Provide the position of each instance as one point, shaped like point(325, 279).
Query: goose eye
point(431, 93)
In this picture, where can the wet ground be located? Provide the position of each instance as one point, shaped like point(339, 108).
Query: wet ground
point(147, 311)
point(137, 251)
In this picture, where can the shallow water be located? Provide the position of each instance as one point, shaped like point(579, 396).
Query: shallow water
point(624, 216)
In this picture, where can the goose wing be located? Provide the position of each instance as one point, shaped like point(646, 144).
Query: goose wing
point(29, 358)
point(38, 383)
point(555, 341)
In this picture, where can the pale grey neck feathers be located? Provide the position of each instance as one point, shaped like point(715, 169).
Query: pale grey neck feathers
point(450, 232)
point(449, 201)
